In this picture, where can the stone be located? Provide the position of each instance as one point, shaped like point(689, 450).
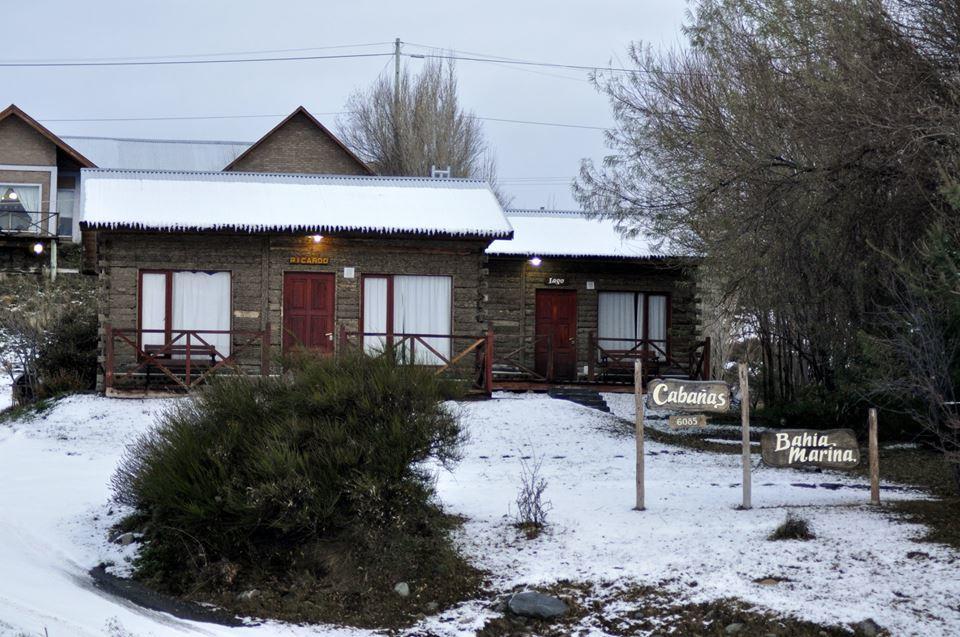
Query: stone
point(733, 629)
point(125, 539)
point(432, 607)
point(402, 589)
point(867, 628)
point(536, 605)
point(246, 596)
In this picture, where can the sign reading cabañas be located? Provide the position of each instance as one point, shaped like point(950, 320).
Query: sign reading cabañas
point(831, 449)
point(689, 395)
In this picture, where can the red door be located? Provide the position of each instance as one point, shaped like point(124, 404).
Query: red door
point(308, 311)
point(556, 331)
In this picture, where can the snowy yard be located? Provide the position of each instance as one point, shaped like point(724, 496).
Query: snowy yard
point(54, 499)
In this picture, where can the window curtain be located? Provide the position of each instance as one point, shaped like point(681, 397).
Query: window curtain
point(421, 305)
point(29, 198)
point(658, 324)
point(374, 314)
point(201, 301)
point(153, 307)
point(617, 320)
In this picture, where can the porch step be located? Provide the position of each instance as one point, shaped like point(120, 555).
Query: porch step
point(581, 396)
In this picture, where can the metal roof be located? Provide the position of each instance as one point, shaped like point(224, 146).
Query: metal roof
point(183, 201)
point(571, 233)
point(157, 154)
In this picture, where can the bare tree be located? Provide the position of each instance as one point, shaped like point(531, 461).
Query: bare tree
point(786, 138)
point(423, 125)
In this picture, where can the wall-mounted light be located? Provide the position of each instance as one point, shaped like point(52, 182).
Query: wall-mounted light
point(317, 238)
point(535, 262)
point(38, 248)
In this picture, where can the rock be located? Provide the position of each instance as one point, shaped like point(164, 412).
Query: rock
point(733, 629)
point(536, 605)
point(432, 607)
point(125, 539)
point(402, 589)
point(246, 596)
point(867, 628)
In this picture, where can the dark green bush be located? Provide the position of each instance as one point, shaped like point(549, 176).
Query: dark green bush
point(263, 473)
point(67, 359)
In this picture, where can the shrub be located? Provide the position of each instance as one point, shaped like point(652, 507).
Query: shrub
point(793, 528)
point(314, 474)
point(531, 508)
point(49, 334)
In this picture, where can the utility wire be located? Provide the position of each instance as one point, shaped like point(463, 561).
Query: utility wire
point(209, 117)
point(292, 58)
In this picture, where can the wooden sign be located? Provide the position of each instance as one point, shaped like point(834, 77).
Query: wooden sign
point(297, 260)
point(682, 421)
point(689, 395)
point(831, 449)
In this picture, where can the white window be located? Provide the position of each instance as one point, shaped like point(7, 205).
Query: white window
point(179, 302)
point(19, 208)
point(411, 311)
point(632, 320)
point(66, 207)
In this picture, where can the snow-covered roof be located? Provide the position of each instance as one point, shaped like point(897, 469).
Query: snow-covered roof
point(258, 202)
point(157, 154)
point(562, 233)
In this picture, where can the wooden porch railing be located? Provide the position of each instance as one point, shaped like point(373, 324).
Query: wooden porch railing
point(186, 357)
point(412, 346)
point(610, 355)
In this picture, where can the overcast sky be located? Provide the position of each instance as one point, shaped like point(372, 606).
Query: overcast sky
point(536, 163)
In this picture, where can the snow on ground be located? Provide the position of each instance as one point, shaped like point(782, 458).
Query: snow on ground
point(55, 468)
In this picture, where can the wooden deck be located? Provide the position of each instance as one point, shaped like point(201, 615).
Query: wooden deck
point(543, 386)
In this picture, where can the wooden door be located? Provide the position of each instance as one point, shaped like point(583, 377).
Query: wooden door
point(556, 332)
point(308, 314)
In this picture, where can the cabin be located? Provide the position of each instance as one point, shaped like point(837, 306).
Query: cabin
point(571, 299)
point(207, 272)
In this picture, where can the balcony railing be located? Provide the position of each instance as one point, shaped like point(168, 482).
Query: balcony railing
point(452, 358)
point(33, 224)
point(184, 358)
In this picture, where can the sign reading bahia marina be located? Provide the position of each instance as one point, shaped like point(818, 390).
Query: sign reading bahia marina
point(833, 449)
point(689, 395)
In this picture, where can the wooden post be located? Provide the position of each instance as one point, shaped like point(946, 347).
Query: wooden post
point(488, 362)
point(344, 339)
point(108, 353)
point(874, 458)
point(745, 424)
point(638, 397)
point(265, 352)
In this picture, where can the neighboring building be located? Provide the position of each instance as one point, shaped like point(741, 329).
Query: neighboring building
point(39, 186)
point(569, 298)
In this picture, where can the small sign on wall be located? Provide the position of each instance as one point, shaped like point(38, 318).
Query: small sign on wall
point(308, 260)
point(349, 273)
point(556, 280)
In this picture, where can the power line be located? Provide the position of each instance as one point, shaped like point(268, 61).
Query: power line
point(199, 55)
point(555, 65)
point(292, 58)
point(161, 118)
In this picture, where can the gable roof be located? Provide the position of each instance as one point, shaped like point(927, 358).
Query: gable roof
point(300, 110)
point(568, 233)
point(157, 154)
point(171, 201)
point(15, 111)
